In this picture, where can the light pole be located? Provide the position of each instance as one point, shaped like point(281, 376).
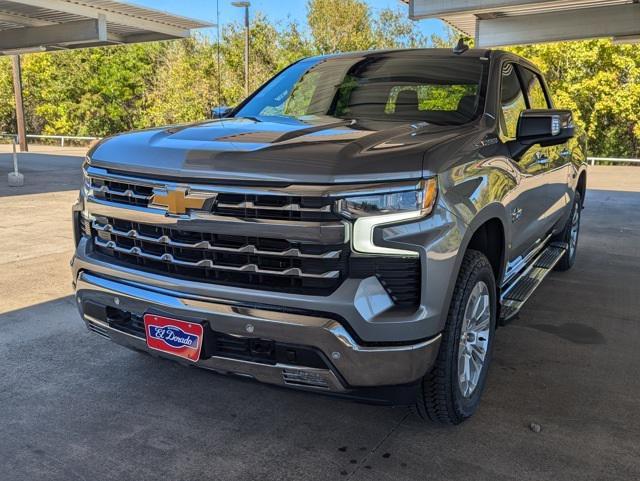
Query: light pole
point(245, 5)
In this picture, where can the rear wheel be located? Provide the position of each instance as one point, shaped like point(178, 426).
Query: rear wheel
point(451, 392)
point(570, 234)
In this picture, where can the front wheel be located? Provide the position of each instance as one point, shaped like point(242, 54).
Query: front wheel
point(451, 391)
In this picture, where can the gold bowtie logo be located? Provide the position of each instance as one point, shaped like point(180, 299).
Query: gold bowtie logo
point(177, 200)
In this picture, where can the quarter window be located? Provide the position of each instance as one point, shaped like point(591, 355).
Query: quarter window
point(512, 101)
point(535, 92)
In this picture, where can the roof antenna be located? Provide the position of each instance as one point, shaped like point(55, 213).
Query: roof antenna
point(461, 47)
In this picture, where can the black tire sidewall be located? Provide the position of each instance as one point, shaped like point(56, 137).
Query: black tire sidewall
point(576, 205)
point(465, 407)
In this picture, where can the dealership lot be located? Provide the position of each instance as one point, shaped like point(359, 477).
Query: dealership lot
point(75, 406)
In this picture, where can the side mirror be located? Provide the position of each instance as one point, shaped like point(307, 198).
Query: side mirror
point(220, 112)
point(545, 127)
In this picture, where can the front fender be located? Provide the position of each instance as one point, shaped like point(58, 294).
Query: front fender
point(476, 193)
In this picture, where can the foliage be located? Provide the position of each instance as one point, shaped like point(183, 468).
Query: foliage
point(600, 82)
point(185, 86)
point(348, 25)
point(107, 90)
point(88, 92)
point(340, 25)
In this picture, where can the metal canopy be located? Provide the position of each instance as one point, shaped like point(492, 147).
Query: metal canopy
point(510, 22)
point(43, 25)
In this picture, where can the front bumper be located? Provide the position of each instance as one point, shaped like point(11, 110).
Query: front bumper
point(349, 365)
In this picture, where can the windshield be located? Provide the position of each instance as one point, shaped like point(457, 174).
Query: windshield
point(393, 87)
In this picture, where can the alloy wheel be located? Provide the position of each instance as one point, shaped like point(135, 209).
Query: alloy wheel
point(474, 339)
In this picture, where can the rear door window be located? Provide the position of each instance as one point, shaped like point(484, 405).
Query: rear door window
point(533, 87)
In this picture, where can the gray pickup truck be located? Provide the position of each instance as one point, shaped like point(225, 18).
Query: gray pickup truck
point(359, 225)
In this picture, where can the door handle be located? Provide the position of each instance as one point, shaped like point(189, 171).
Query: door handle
point(565, 153)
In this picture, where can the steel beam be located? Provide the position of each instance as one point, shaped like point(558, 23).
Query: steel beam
point(439, 8)
point(70, 33)
point(613, 21)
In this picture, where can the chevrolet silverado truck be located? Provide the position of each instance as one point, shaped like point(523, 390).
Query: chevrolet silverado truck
point(359, 225)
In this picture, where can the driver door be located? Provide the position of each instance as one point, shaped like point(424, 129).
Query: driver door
point(558, 157)
point(530, 203)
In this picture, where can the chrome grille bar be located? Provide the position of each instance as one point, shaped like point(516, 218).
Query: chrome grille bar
point(209, 264)
point(247, 249)
point(287, 207)
point(125, 193)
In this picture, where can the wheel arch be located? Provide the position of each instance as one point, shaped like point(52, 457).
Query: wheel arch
point(489, 238)
point(487, 226)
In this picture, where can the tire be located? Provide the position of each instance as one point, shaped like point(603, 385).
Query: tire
point(442, 397)
point(566, 236)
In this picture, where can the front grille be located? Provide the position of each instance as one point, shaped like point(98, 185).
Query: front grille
point(122, 193)
point(239, 260)
point(254, 262)
point(242, 206)
point(283, 207)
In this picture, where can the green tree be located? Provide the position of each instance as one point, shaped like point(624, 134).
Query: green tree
point(185, 85)
point(88, 92)
point(392, 29)
point(7, 103)
point(340, 25)
point(600, 82)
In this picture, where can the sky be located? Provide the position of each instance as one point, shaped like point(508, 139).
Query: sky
point(276, 10)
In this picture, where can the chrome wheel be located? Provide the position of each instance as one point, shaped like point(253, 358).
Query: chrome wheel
point(474, 338)
point(575, 229)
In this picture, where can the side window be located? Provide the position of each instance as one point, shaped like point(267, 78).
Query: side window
point(533, 87)
point(512, 101)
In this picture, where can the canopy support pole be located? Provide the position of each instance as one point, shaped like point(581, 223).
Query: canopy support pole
point(17, 89)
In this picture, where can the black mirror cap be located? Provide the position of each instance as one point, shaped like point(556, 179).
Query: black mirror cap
point(220, 112)
point(545, 127)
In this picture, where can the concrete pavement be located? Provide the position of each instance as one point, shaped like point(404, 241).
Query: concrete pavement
point(74, 406)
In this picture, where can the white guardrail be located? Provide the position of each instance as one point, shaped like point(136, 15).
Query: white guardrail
point(615, 160)
point(60, 137)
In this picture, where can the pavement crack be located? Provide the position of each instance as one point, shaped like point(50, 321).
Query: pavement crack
point(377, 446)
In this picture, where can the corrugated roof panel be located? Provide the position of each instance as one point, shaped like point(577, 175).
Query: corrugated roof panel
point(143, 13)
point(466, 21)
point(125, 22)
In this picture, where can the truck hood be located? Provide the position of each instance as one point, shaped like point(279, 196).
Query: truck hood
point(278, 150)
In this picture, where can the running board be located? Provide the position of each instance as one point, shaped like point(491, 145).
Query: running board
point(518, 291)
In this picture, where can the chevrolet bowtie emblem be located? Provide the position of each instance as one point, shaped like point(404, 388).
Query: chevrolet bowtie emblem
point(178, 199)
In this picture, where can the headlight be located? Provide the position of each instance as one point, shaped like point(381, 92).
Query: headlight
point(415, 201)
point(371, 211)
point(86, 191)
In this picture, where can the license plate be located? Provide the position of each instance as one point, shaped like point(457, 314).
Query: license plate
point(180, 338)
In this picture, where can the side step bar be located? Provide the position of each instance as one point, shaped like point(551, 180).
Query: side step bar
point(520, 289)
